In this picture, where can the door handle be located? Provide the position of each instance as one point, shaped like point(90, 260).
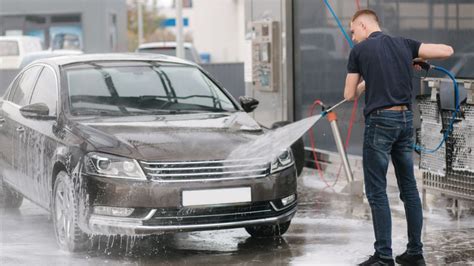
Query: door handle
point(20, 129)
point(2, 120)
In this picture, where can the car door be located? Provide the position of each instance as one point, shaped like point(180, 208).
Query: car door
point(6, 145)
point(15, 133)
point(41, 140)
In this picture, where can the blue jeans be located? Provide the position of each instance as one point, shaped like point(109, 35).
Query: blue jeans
point(389, 134)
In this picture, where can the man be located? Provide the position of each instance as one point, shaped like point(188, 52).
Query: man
point(385, 65)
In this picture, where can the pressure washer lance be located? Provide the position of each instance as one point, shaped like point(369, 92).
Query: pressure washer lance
point(332, 107)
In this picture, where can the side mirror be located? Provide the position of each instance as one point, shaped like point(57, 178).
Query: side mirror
point(248, 103)
point(37, 111)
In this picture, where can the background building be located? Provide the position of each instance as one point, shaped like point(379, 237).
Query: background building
point(90, 25)
point(216, 27)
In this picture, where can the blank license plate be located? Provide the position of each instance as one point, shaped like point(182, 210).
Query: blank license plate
point(216, 196)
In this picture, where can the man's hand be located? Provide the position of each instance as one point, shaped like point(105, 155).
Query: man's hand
point(420, 64)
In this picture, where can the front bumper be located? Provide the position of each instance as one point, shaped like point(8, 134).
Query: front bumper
point(153, 223)
point(158, 206)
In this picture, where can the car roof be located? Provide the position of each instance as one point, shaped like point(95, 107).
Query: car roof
point(84, 58)
point(163, 45)
point(30, 57)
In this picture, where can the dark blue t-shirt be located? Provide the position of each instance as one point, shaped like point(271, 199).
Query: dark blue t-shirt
point(385, 63)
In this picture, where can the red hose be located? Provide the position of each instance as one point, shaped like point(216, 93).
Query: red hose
point(348, 137)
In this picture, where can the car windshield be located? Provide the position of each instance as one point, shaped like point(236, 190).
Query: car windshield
point(101, 89)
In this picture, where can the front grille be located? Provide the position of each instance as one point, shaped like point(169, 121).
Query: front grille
point(220, 214)
point(195, 170)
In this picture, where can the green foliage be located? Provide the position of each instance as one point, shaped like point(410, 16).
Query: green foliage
point(151, 22)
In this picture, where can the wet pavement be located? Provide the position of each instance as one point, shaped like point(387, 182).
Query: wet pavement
point(329, 228)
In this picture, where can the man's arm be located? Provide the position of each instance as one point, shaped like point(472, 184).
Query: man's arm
point(360, 88)
point(435, 51)
point(351, 88)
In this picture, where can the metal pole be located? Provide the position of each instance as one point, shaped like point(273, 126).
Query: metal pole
point(179, 29)
point(140, 22)
point(332, 118)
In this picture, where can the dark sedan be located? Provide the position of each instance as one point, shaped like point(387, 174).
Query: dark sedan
point(137, 145)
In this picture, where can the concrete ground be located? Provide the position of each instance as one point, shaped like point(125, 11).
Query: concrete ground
point(329, 228)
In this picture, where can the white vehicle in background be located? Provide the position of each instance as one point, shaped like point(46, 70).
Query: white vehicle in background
point(14, 48)
point(169, 48)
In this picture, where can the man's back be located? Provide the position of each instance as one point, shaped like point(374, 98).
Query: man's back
point(385, 64)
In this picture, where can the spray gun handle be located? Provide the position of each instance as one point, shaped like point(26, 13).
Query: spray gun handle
point(423, 64)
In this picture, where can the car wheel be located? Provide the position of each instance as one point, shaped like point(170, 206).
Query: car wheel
point(297, 148)
point(65, 216)
point(268, 230)
point(9, 198)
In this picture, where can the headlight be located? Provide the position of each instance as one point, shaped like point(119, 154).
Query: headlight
point(283, 161)
point(108, 165)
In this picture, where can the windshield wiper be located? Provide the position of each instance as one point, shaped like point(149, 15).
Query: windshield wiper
point(98, 112)
point(153, 97)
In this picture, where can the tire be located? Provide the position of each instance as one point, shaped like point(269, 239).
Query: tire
point(268, 230)
point(65, 216)
point(9, 198)
point(297, 148)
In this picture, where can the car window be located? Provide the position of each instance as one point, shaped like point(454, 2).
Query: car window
point(191, 83)
point(143, 89)
point(12, 88)
point(9, 48)
point(145, 81)
point(21, 94)
point(46, 90)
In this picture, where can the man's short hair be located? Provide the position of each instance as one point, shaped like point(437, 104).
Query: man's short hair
point(365, 12)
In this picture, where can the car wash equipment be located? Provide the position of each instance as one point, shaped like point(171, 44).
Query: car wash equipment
point(425, 66)
point(353, 188)
point(332, 118)
point(450, 170)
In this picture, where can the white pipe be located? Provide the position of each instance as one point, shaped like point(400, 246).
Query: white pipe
point(140, 22)
point(179, 29)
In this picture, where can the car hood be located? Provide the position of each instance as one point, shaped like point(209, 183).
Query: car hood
point(171, 138)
